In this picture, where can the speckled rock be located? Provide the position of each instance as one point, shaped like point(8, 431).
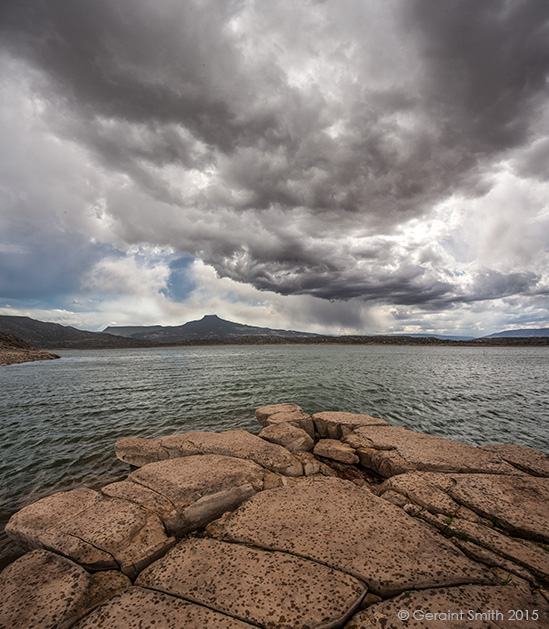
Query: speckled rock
point(519, 503)
point(335, 424)
point(456, 608)
point(391, 450)
point(234, 443)
point(264, 412)
point(336, 450)
point(197, 489)
point(348, 528)
point(416, 487)
point(529, 460)
point(289, 436)
point(98, 533)
point(271, 589)
point(42, 589)
point(138, 608)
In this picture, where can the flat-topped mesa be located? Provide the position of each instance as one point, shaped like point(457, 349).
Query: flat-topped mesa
point(236, 530)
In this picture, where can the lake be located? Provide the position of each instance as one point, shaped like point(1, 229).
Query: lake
point(59, 419)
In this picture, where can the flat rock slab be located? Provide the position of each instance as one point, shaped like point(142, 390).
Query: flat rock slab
point(335, 424)
point(263, 413)
point(528, 460)
point(98, 533)
point(42, 589)
point(350, 529)
point(234, 443)
point(391, 450)
point(336, 450)
point(138, 608)
point(289, 436)
point(271, 589)
point(519, 503)
point(468, 606)
point(189, 492)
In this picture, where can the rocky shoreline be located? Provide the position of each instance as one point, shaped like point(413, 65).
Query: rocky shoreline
point(330, 520)
point(14, 350)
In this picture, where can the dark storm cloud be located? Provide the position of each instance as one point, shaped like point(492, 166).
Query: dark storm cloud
point(311, 125)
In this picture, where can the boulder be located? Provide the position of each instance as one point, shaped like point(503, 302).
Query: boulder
point(471, 606)
point(232, 443)
point(193, 490)
point(350, 529)
point(137, 608)
point(529, 460)
point(335, 425)
point(42, 589)
point(289, 436)
point(97, 532)
point(336, 450)
point(269, 589)
point(265, 411)
point(391, 450)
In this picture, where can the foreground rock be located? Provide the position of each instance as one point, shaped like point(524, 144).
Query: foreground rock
point(335, 425)
point(96, 532)
point(188, 492)
point(457, 607)
point(233, 443)
point(42, 589)
point(138, 608)
point(285, 434)
point(271, 589)
point(375, 541)
point(528, 460)
point(390, 450)
point(293, 414)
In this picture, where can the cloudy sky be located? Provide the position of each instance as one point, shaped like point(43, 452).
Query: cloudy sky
point(334, 166)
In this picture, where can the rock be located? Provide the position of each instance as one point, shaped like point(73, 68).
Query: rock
point(533, 557)
point(335, 425)
point(311, 465)
point(289, 436)
point(348, 528)
point(391, 450)
point(137, 608)
point(270, 589)
point(42, 589)
point(529, 460)
point(233, 443)
point(264, 412)
point(519, 503)
point(96, 532)
point(198, 489)
point(336, 450)
point(471, 606)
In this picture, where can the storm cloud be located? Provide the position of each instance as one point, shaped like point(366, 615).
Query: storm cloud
point(344, 151)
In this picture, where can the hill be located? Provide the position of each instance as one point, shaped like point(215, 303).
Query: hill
point(15, 350)
point(523, 333)
point(45, 335)
point(210, 327)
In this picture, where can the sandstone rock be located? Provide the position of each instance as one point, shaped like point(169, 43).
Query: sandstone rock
point(377, 543)
point(42, 589)
point(96, 532)
point(311, 465)
point(391, 450)
point(270, 589)
point(336, 450)
point(447, 603)
point(528, 460)
point(137, 608)
point(265, 411)
point(233, 443)
point(335, 425)
point(519, 503)
point(289, 436)
point(198, 489)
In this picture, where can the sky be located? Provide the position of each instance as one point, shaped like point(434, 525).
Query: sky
point(342, 166)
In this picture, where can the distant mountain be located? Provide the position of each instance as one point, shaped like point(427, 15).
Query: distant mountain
point(55, 336)
point(210, 327)
point(524, 333)
point(441, 337)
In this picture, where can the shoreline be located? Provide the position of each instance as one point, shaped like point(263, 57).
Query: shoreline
point(334, 515)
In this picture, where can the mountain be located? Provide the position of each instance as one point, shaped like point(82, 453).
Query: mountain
point(15, 350)
point(210, 327)
point(524, 333)
point(55, 336)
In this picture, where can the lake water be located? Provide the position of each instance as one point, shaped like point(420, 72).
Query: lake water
point(59, 419)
